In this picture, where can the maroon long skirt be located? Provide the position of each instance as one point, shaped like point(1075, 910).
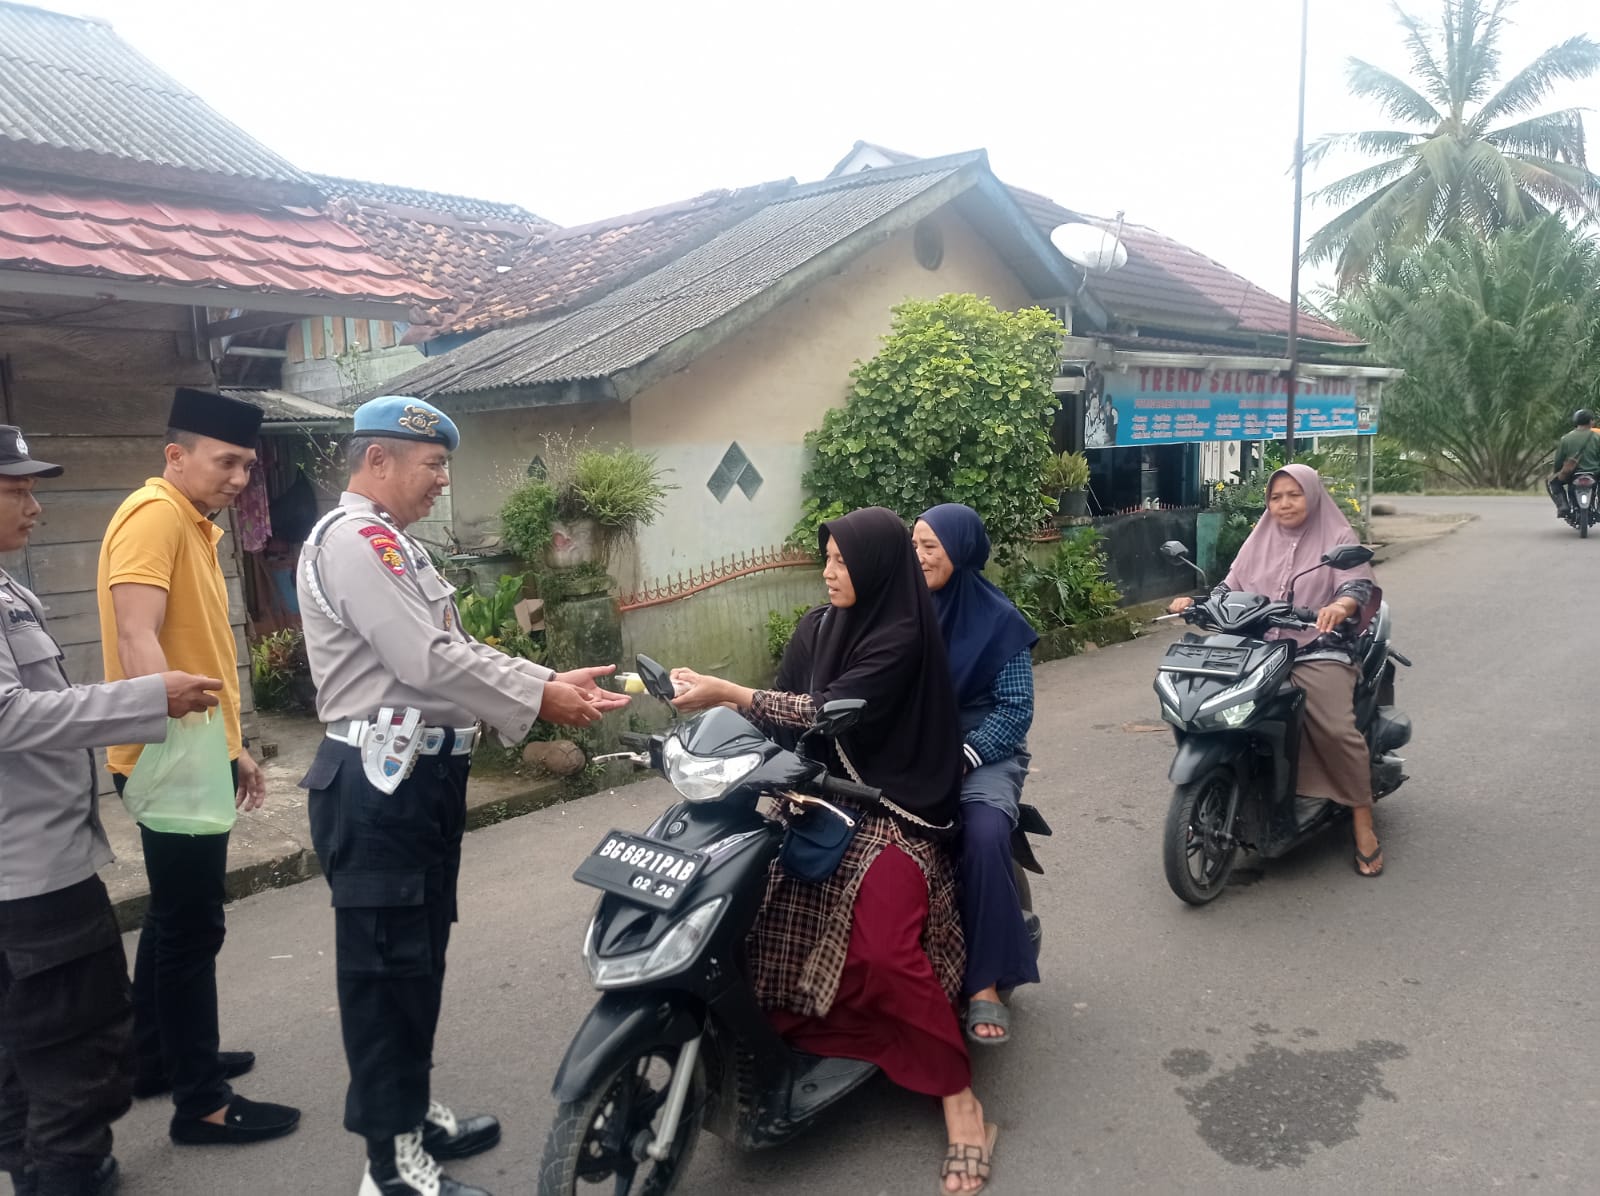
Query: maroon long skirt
point(889, 1009)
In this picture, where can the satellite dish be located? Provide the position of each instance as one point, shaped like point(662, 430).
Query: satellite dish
point(1097, 250)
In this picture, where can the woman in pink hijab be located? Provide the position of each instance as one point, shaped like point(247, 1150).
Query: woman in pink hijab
point(1301, 524)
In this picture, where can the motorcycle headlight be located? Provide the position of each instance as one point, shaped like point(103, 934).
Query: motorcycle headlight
point(1234, 705)
point(704, 778)
point(676, 948)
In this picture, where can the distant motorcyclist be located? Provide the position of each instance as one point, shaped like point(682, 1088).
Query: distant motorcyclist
point(1578, 452)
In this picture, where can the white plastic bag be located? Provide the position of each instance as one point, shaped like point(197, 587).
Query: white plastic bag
point(184, 786)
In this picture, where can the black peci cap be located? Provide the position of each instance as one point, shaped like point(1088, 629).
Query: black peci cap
point(217, 416)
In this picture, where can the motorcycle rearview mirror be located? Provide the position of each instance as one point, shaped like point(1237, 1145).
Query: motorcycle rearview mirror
point(1348, 556)
point(1177, 550)
point(657, 681)
point(838, 716)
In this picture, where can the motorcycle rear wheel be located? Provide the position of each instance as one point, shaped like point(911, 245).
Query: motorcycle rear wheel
point(1584, 518)
point(595, 1139)
point(1196, 851)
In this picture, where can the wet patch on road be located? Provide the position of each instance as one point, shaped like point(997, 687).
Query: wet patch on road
point(1271, 1110)
point(1187, 1062)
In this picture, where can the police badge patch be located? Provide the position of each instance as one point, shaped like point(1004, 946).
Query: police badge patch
point(387, 548)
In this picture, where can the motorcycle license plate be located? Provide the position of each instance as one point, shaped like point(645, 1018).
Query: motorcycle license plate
point(641, 870)
point(1206, 660)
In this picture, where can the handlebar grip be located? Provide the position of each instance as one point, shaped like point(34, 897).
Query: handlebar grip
point(833, 787)
point(1305, 614)
point(634, 741)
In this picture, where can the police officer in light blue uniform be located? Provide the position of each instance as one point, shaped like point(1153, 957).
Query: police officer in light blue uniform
point(404, 693)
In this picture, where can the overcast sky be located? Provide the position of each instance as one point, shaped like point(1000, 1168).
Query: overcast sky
point(1179, 112)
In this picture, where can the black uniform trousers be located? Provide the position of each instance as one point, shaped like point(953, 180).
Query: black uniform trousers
point(176, 1035)
point(391, 860)
point(65, 1018)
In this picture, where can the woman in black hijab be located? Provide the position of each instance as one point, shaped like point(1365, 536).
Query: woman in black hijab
point(867, 963)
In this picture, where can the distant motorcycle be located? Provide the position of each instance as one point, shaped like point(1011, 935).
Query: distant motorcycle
point(1237, 720)
point(1582, 512)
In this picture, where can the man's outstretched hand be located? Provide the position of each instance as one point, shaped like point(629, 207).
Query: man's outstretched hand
point(585, 682)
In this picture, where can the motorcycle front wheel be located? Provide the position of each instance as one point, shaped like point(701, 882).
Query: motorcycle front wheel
point(600, 1138)
point(1199, 851)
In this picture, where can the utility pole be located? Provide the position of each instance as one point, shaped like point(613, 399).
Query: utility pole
point(1294, 268)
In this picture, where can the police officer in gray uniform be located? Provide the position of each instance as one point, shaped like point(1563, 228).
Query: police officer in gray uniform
point(66, 1011)
point(404, 693)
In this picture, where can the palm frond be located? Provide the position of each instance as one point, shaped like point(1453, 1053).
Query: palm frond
point(1396, 98)
point(1371, 143)
point(1353, 186)
point(1558, 185)
point(1423, 63)
point(1557, 135)
point(1576, 58)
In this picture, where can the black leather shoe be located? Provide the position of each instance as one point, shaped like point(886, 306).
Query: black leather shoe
point(245, 1121)
point(411, 1172)
point(61, 1181)
point(446, 1136)
point(234, 1065)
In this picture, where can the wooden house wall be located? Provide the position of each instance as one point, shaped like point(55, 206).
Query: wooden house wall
point(95, 401)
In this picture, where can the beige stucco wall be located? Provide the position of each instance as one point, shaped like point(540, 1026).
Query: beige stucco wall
point(769, 385)
point(496, 447)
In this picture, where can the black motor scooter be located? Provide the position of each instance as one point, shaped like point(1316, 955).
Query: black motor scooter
point(677, 1040)
point(1237, 722)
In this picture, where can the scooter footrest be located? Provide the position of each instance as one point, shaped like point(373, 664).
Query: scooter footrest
point(822, 1081)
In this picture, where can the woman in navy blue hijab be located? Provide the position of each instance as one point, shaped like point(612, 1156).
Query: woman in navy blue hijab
point(990, 646)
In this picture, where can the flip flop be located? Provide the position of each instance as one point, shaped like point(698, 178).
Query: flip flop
point(1370, 860)
point(988, 1013)
point(966, 1160)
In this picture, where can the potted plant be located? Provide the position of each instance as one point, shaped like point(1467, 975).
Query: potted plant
point(607, 495)
point(1066, 479)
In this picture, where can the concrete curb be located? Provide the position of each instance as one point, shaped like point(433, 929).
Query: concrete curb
point(1385, 552)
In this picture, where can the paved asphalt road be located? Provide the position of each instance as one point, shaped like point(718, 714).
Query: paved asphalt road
point(1435, 1030)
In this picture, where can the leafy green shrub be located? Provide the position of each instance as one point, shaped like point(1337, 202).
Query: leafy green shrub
point(956, 407)
point(1067, 588)
point(780, 630)
point(489, 615)
point(526, 516)
point(280, 675)
point(620, 489)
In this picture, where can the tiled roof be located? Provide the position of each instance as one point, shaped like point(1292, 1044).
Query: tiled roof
point(569, 266)
point(455, 244)
point(627, 326)
point(146, 237)
point(70, 87)
point(1165, 283)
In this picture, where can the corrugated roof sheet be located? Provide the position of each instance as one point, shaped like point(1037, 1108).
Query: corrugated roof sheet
point(72, 84)
point(140, 236)
point(566, 267)
point(285, 407)
point(454, 243)
point(626, 327)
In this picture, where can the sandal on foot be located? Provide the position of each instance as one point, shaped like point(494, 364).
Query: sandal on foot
point(988, 1013)
point(1375, 858)
point(971, 1162)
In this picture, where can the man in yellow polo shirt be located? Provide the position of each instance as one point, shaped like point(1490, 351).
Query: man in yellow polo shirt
point(164, 605)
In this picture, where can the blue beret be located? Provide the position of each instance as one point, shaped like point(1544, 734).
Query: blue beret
point(405, 418)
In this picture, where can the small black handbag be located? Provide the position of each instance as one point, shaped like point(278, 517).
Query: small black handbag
point(814, 843)
point(815, 840)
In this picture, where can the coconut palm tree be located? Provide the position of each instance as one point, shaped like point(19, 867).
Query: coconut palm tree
point(1476, 157)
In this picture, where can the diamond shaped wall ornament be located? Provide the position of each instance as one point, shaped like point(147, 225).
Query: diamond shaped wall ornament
point(735, 469)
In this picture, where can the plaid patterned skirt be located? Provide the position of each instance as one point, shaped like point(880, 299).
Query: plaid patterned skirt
point(801, 936)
